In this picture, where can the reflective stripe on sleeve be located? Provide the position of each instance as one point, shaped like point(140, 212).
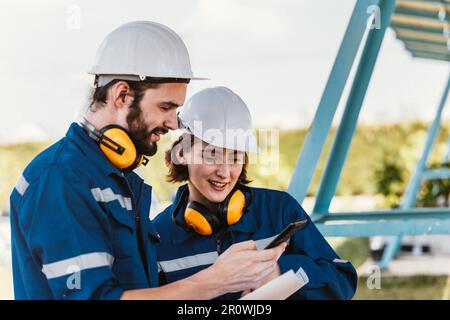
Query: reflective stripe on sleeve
point(76, 264)
point(22, 185)
point(301, 274)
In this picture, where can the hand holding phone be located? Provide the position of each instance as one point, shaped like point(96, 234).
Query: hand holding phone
point(287, 233)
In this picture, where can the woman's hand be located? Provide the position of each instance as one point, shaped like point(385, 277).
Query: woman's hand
point(242, 267)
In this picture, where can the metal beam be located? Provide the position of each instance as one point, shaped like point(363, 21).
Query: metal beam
point(409, 199)
point(442, 42)
point(423, 6)
point(317, 134)
point(385, 215)
point(434, 174)
point(387, 228)
point(420, 35)
point(430, 55)
point(433, 30)
point(341, 144)
point(437, 48)
point(410, 196)
point(420, 22)
point(421, 14)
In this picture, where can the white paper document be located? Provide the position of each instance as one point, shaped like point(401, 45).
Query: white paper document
point(279, 288)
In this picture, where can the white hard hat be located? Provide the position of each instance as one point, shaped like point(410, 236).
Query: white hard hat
point(141, 49)
point(219, 117)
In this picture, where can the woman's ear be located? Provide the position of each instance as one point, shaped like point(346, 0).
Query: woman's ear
point(178, 155)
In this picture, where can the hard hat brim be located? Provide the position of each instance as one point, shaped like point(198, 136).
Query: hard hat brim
point(200, 78)
point(250, 145)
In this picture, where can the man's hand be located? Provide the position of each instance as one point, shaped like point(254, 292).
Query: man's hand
point(276, 273)
point(243, 267)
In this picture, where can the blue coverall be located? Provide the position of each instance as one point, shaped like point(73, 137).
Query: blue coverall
point(80, 228)
point(182, 253)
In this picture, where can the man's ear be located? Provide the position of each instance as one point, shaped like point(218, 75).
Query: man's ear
point(121, 94)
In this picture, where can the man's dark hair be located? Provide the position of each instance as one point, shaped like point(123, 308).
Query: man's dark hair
point(100, 94)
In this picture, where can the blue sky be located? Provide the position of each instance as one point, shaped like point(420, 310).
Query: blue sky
point(276, 54)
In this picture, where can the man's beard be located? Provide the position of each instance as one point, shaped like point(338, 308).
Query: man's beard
point(140, 133)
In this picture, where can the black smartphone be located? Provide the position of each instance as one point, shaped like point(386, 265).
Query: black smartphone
point(288, 232)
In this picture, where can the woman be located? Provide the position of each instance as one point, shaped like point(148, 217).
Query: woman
point(217, 208)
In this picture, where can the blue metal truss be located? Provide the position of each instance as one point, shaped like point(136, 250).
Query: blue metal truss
point(404, 221)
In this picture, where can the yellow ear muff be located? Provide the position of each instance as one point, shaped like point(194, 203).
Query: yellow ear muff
point(235, 207)
point(205, 222)
point(197, 221)
point(116, 145)
point(128, 157)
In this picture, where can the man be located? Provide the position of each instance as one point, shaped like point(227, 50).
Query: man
point(80, 215)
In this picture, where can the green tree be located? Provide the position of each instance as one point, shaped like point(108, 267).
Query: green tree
point(389, 181)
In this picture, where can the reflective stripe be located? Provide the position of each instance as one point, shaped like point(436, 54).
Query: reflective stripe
point(301, 274)
point(340, 261)
point(22, 185)
point(107, 195)
point(200, 259)
point(79, 263)
point(189, 262)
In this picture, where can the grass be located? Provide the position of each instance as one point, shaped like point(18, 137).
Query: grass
point(420, 287)
point(355, 250)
